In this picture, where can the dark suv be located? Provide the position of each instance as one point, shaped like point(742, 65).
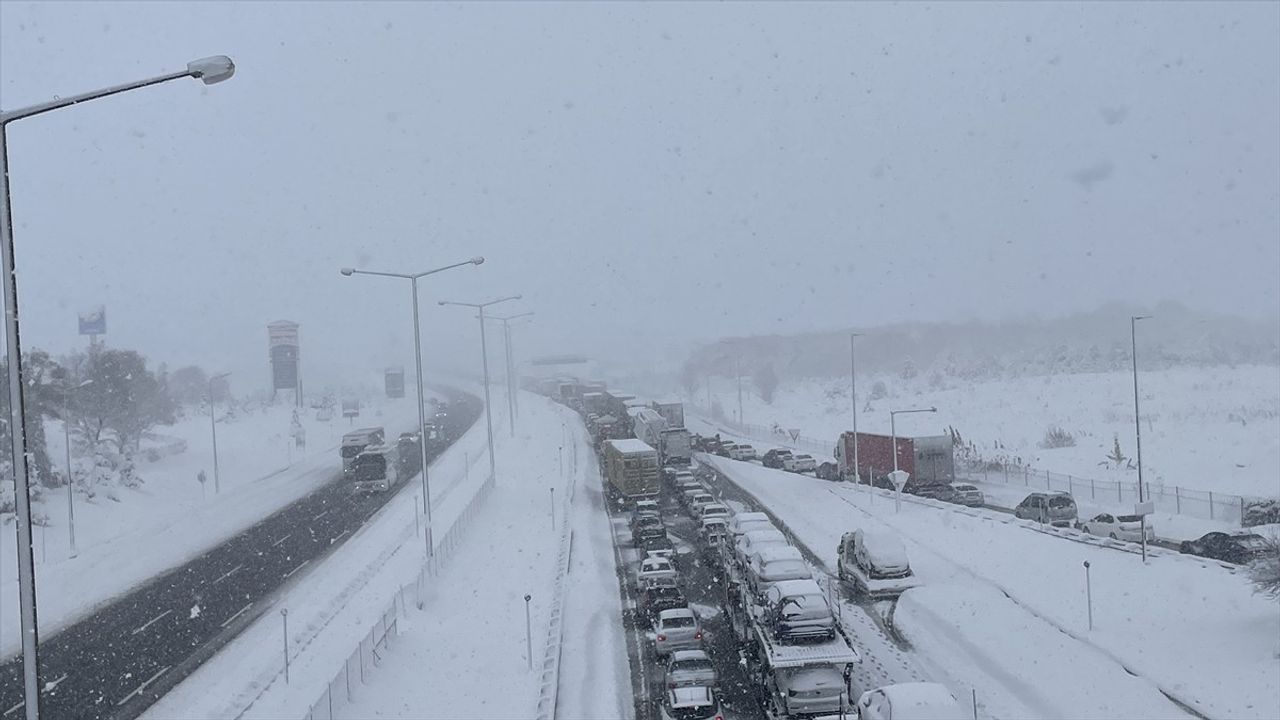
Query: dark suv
point(1239, 549)
point(774, 458)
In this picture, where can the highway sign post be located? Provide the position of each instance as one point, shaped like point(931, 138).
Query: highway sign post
point(899, 478)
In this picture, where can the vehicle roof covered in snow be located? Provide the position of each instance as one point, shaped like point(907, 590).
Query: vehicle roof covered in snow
point(630, 445)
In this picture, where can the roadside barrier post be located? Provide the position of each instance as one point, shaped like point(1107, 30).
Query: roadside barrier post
point(553, 508)
point(1210, 504)
point(528, 631)
point(1088, 594)
point(284, 616)
point(974, 692)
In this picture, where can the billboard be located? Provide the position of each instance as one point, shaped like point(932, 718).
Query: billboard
point(393, 380)
point(282, 350)
point(94, 321)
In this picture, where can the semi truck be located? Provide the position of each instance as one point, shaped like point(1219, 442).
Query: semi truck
point(375, 469)
point(927, 459)
point(631, 469)
point(671, 410)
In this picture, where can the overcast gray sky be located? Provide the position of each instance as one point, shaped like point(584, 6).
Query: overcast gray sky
point(645, 175)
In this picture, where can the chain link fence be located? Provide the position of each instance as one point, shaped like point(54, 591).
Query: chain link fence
point(1205, 504)
point(344, 687)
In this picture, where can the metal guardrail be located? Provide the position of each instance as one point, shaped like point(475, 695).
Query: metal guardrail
point(1205, 504)
point(341, 690)
point(549, 679)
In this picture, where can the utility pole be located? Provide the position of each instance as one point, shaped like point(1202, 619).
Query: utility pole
point(853, 399)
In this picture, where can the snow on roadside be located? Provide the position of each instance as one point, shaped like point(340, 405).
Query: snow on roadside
point(1016, 662)
point(166, 521)
point(1193, 629)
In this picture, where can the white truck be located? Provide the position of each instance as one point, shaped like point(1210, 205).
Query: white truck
point(355, 442)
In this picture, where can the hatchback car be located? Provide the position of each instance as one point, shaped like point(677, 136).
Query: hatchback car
point(1118, 527)
point(968, 495)
point(775, 458)
point(676, 629)
point(1057, 509)
point(691, 667)
point(656, 598)
point(803, 463)
point(1239, 549)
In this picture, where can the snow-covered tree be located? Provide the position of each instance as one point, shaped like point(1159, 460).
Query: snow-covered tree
point(1265, 571)
point(1117, 457)
point(766, 381)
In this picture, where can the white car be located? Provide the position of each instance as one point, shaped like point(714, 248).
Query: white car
point(713, 510)
point(746, 521)
point(676, 629)
point(1118, 527)
point(691, 702)
point(910, 701)
point(803, 463)
point(751, 542)
point(654, 567)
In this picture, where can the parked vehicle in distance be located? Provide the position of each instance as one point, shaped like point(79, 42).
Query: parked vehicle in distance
point(755, 540)
point(647, 526)
point(654, 567)
point(774, 458)
point(653, 599)
point(691, 667)
point(931, 490)
point(1118, 527)
point(714, 531)
point(676, 629)
point(1057, 509)
point(1239, 548)
point(645, 506)
point(797, 611)
point(711, 510)
point(909, 701)
point(691, 702)
point(658, 546)
point(827, 471)
point(770, 565)
point(747, 521)
point(725, 449)
point(803, 463)
point(697, 500)
point(968, 495)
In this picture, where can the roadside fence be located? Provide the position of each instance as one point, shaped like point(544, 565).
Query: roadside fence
point(1205, 504)
point(343, 688)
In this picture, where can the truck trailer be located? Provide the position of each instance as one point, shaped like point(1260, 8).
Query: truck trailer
point(631, 468)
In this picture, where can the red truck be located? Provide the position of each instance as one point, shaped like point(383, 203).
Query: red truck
point(933, 456)
point(875, 455)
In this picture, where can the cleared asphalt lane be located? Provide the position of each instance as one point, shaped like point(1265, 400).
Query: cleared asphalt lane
point(118, 661)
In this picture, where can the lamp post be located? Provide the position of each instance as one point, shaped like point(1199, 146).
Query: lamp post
point(417, 359)
point(484, 360)
point(893, 428)
point(213, 430)
point(66, 437)
point(209, 70)
point(510, 357)
point(1137, 424)
point(853, 399)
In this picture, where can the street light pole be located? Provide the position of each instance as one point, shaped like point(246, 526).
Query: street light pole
point(510, 362)
point(484, 359)
point(209, 70)
point(893, 428)
point(66, 437)
point(213, 429)
point(1137, 423)
point(853, 399)
point(417, 359)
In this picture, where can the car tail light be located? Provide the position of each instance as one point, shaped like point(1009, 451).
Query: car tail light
point(697, 635)
point(662, 638)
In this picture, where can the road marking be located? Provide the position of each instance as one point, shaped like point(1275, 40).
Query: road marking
point(238, 614)
point(15, 707)
point(286, 537)
point(317, 517)
point(144, 685)
point(344, 532)
point(53, 684)
point(150, 622)
point(304, 562)
point(227, 574)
